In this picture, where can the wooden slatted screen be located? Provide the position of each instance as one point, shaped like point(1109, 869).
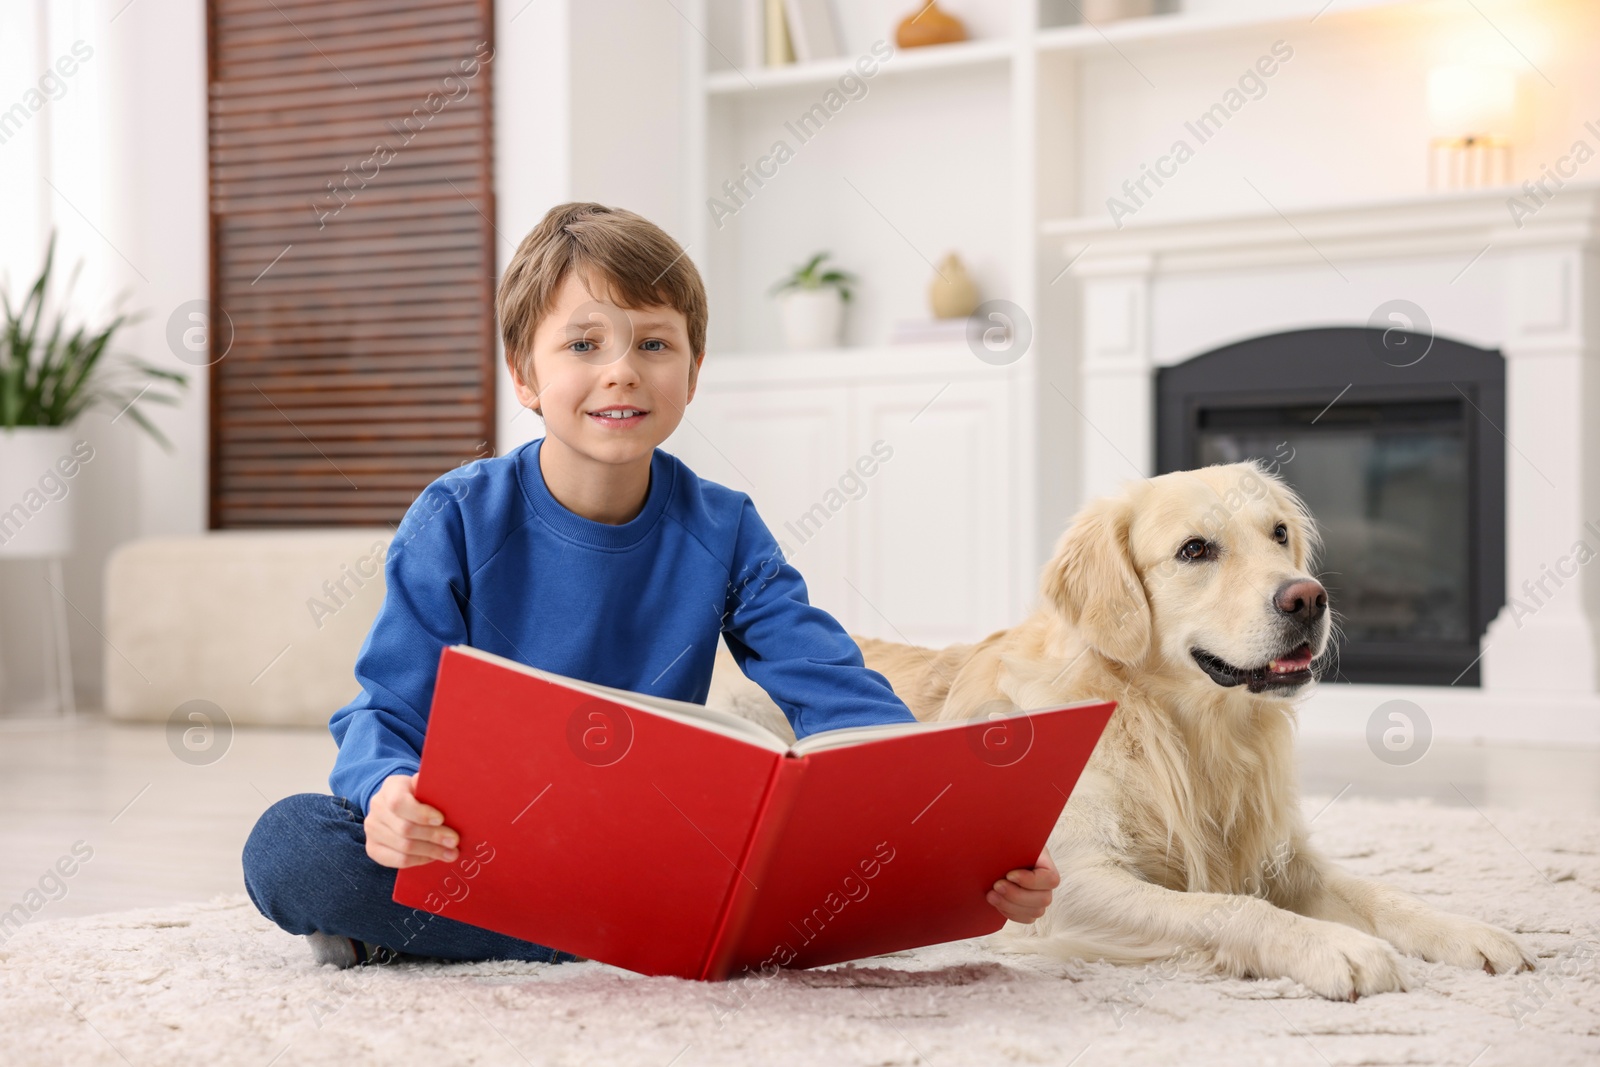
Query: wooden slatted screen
point(352, 252)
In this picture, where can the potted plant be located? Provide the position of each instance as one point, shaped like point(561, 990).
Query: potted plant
point(48, 377)
point(811, 304)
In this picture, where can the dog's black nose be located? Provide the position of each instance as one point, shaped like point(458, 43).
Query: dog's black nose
point(1304, 600)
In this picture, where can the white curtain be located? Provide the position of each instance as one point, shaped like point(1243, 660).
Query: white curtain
point(52, 150)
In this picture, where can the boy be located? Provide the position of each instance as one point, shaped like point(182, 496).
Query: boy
point(588, 552)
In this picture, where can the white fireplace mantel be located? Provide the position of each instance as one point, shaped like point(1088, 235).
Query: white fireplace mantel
point(1157, 293)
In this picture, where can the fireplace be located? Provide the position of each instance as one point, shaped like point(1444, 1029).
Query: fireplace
point(1391, 439)
point(1492, 431)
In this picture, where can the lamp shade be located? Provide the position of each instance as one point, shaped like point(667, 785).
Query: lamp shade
point(1471, 101)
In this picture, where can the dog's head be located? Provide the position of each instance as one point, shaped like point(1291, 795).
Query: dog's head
point(1202, 571)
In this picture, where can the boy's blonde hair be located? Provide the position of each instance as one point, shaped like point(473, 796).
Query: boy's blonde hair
point(629, 256)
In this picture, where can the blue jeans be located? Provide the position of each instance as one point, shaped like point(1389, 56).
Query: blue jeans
point(306, 868)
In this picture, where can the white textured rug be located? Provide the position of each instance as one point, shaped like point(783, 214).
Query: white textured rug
point(215, 983)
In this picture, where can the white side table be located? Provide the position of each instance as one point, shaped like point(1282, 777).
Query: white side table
point(66, 709)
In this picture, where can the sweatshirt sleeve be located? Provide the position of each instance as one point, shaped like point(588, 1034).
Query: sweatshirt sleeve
point(795, 651)
point(379, 733)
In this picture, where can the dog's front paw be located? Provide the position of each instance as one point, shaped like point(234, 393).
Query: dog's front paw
point(1443, 938)
point(1340, 962)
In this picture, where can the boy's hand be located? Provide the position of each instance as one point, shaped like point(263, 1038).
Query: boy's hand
point(404, 832)
point(1024, 894)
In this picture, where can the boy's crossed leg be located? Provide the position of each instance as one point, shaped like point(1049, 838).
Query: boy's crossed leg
point(306, 868)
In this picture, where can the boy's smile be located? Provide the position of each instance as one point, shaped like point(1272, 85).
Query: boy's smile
point(619, 417)
point(611, 384)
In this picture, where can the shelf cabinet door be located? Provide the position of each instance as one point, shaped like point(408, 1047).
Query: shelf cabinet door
point(787, 447)
point(931, 559)
point(893, 501)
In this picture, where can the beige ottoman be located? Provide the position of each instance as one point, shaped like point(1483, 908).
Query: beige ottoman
point(264, 624)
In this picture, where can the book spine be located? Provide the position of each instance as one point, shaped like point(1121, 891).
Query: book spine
point(773, 815)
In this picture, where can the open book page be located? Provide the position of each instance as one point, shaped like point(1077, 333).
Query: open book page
point(721, 722)
point(727, 723)
point(856, 735)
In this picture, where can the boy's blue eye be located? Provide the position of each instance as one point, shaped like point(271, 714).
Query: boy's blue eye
point(654, 341)
point(581, 351)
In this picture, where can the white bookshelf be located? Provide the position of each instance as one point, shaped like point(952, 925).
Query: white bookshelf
point(1023, 83)
point(939, 129)
point(998, 146)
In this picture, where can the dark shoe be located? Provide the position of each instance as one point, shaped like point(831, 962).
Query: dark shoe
point(345, 952)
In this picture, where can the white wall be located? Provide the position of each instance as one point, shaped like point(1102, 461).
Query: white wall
point(587, 107)
point(532, 151)
point(1344, 119)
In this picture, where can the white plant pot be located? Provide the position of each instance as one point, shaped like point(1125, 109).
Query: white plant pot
point(812, 318)
point(38, 491)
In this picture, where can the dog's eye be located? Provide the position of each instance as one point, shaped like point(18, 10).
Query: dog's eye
point(1194, 548)
point(1280, 534)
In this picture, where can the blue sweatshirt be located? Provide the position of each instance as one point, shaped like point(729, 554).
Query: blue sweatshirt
point(487, 557)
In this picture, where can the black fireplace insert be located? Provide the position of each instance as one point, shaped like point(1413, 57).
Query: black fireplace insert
point(1394, 441)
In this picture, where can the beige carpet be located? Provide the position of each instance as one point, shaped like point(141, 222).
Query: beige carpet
point(214, 983)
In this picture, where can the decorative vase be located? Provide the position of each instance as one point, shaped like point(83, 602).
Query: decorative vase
point(37, 465)
point(929, 25)
point(812, 318)
point(952, 294)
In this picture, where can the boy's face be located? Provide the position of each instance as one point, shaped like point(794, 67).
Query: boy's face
point(590, 355)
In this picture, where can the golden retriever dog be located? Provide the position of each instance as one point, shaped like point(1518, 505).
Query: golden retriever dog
point(1187, 599)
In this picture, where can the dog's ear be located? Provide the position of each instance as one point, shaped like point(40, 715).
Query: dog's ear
point(1092, 582)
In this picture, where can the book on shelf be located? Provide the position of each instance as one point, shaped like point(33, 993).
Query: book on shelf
point(779, 47)
point(812, 30)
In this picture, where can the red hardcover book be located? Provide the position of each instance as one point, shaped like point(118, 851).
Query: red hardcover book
point(669, 838)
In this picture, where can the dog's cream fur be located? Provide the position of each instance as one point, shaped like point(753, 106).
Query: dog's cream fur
point(1184, 837)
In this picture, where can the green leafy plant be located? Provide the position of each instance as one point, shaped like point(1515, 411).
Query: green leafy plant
point(51, 380)
point(812, 276)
